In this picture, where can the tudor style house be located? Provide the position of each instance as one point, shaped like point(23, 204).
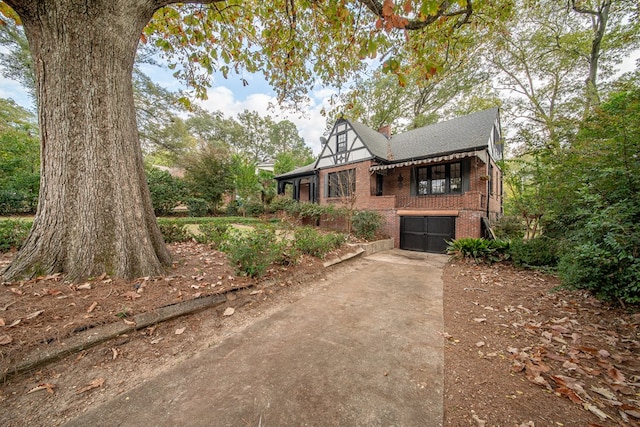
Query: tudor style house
point(432, 184)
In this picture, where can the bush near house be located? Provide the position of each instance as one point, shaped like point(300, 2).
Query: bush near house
point(538, 252)
point(251, 252)
point(365, 224)
point(479, 249)
point(310, 241)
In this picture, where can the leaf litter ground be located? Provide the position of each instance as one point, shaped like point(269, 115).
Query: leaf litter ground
point(516, 353)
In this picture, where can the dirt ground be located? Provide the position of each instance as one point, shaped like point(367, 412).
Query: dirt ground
point(516, 353)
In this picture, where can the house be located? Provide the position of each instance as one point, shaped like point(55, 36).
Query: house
point(431, 184)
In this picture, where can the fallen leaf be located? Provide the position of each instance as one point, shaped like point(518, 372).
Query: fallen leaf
point(49, 387)
point(14, 323)
point(616, 375)
point(229, 311)
point(92, 307)
point(480, 344)
point(604, 392)
point(5, 339)
point(566, 391)
point(93, 384)
point(34, 314)
point(16, 291)
point(2, 321)
point(179, 331)
point(84, 286)
point(115, 352)
point(596, 411)
point(129, 322)
point(480, 319)
point(131, 295)
point(157, 340)
point(52, 292)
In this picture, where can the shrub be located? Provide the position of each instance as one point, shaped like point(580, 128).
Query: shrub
point(253, 208)
point(365, 224)
point(311, 242)
point(174, 232)
point(13, 233)
point(166, 191)
point(509, 227)
point(481, 250)
point(539, 252)
point(232, 208)
point(197, 207)
point(251, 252)
point(284, 203)
point(212, 233)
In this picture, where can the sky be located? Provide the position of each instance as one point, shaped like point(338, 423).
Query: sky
point(230, 97)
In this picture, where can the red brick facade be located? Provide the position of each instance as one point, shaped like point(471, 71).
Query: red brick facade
point(468, 207)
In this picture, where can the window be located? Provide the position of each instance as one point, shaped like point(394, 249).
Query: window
point(342, 142)
point(342, 184)
point(439, 179)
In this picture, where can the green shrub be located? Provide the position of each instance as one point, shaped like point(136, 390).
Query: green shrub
point(254, 208)
point(166, 191)
point(174, 232)
point(538, 252)
point(509, 227)
point(365, 224)
point(251, 251)
point(13, 233)
point(310, 241)
point(603, 255)
point(284, 203)
point(480, 250)
point(212, 233)
point(232, 208)
point(197, 207)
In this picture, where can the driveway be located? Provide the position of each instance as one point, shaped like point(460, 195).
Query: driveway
point(363, 350)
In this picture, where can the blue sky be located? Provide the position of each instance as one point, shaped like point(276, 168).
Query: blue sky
point(230, 97)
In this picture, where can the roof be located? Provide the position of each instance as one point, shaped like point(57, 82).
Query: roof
point(459, 134)
point(301, 171)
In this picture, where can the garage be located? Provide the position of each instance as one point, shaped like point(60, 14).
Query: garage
point(426, 233)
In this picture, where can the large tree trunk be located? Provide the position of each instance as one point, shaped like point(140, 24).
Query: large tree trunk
point(94, 212)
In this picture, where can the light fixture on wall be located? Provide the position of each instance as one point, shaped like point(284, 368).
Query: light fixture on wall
point(400, 179)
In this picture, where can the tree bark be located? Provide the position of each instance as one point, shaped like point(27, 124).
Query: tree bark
point(94, 211)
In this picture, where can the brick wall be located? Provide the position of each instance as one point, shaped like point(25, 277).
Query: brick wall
point(469, 207)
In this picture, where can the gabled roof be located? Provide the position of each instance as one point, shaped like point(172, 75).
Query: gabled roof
point(301, 171)
point(459, 134)
point(376, 143)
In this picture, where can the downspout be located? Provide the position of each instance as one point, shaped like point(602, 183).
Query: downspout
point(488, 182)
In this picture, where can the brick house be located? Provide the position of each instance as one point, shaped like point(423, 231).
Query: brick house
point(432, 184)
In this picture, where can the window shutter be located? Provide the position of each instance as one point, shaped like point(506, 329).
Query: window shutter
point(412, 182)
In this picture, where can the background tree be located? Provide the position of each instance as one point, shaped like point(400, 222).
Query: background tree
point(19, 159)
point(103, 220)
point(597, 202)
point(209, 173)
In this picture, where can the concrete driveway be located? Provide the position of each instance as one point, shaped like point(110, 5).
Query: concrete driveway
point(363, 350)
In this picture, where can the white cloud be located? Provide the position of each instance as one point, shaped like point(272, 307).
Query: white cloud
point(310, 122)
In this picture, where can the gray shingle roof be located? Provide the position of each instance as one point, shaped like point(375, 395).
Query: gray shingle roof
point(376, 142)
point(459, 134)
point(303, 170)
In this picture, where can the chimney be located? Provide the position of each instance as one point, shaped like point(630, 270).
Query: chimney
point(385, 130)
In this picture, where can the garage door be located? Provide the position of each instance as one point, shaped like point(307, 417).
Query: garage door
point(426, 233)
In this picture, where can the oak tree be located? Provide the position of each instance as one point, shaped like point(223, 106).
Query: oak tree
point(94, 211)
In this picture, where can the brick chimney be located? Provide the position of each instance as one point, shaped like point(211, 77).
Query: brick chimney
point(386, 131)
